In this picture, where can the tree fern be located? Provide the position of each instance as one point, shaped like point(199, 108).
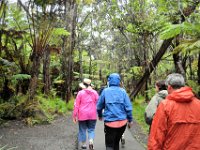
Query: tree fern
point(173, 30)
point(191, 46)
point(21, 76)
point(60, 31)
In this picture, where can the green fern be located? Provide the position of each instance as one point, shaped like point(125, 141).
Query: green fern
point(19, 77)
point(60, 31)
point(189, 47)
point(173, 30)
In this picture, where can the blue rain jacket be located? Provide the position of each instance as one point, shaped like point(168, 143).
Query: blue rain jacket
point(115, 102)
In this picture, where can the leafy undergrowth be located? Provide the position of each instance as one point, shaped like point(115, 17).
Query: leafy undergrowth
point(139, 106)
point(41, 110)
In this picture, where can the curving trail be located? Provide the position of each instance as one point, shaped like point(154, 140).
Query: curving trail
point(60, 135)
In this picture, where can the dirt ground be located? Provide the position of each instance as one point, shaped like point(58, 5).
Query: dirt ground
point(61, 134)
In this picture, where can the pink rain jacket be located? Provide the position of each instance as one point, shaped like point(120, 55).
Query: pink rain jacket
point(176, 125)
point(85, 105)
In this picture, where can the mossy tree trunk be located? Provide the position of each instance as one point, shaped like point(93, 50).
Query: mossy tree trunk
point(46, 71)
point(68, 48)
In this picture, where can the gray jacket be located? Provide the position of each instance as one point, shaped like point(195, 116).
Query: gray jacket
point(153, 104)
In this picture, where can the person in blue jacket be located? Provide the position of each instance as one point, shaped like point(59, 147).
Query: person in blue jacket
point(117, 107)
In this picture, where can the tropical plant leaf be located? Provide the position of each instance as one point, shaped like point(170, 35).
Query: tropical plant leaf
point(20, 77)
point(171, 31)
point(60, 31)
point(190, 47)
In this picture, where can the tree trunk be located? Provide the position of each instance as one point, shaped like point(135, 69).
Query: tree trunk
point(46, 71)
point(152, 65)
point(90, 63)
point(80, 64)
point(34, 76)
point(68, 47)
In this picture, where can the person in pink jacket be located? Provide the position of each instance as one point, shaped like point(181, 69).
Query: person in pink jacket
point(85, 113)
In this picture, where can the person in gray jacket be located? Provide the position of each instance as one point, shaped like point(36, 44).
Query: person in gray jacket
point(161, 93)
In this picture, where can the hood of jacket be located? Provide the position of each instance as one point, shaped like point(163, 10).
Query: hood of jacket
point(114, 79)
point(183, 94)
point(162, 94)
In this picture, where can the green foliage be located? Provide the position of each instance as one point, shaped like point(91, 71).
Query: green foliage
point(172, 30)
point(19, 77)
point(42, 110)
point(60, 32)
point(138, 112)
point(132, 28)
point(16, 18)
point(85, 1)
point(6, 109)
point(188, 47)
point(195, 86)
point(70, 105)
point(52, 105)
point(7, 68)
point(13, 108)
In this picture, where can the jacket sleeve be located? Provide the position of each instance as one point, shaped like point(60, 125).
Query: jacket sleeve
point(128, 108)
point(76, 105)
point(158, 129)
point(101, 104)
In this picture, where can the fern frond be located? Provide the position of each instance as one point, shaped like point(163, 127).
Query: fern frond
point(191, 46)
point(60, 31)
point(171, 31)
point(20, 77)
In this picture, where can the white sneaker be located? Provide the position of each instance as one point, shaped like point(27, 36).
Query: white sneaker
point(91, 145)
point(123, 140)
point(84, 146)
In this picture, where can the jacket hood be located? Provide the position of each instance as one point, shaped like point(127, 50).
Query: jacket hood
point(162, 94)
point(183, 94)
point(114, 79)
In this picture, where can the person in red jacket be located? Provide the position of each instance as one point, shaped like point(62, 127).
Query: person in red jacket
point(176, 124)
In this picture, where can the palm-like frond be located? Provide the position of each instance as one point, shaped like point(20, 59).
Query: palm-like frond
point(191, 46)
point(172, 30)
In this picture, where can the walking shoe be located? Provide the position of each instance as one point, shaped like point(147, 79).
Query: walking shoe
point(122, 140)
point(84, 146)
point(91, 146)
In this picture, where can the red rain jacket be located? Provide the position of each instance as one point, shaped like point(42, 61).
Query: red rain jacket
point(176, 124)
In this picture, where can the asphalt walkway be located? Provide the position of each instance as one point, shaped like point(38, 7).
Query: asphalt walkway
point(99, 142)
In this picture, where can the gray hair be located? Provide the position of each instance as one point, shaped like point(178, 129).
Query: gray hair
point(176, 80)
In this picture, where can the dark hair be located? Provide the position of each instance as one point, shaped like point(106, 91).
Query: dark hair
point(161, 85)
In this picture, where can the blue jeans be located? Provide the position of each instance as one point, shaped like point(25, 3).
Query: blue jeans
point(86, 126)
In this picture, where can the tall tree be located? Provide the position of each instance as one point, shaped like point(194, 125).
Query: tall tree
point(166, 43)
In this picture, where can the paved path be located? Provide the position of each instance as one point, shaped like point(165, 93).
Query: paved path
point(99, 142)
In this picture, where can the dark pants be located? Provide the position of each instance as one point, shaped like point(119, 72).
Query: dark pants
point(113, 136)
